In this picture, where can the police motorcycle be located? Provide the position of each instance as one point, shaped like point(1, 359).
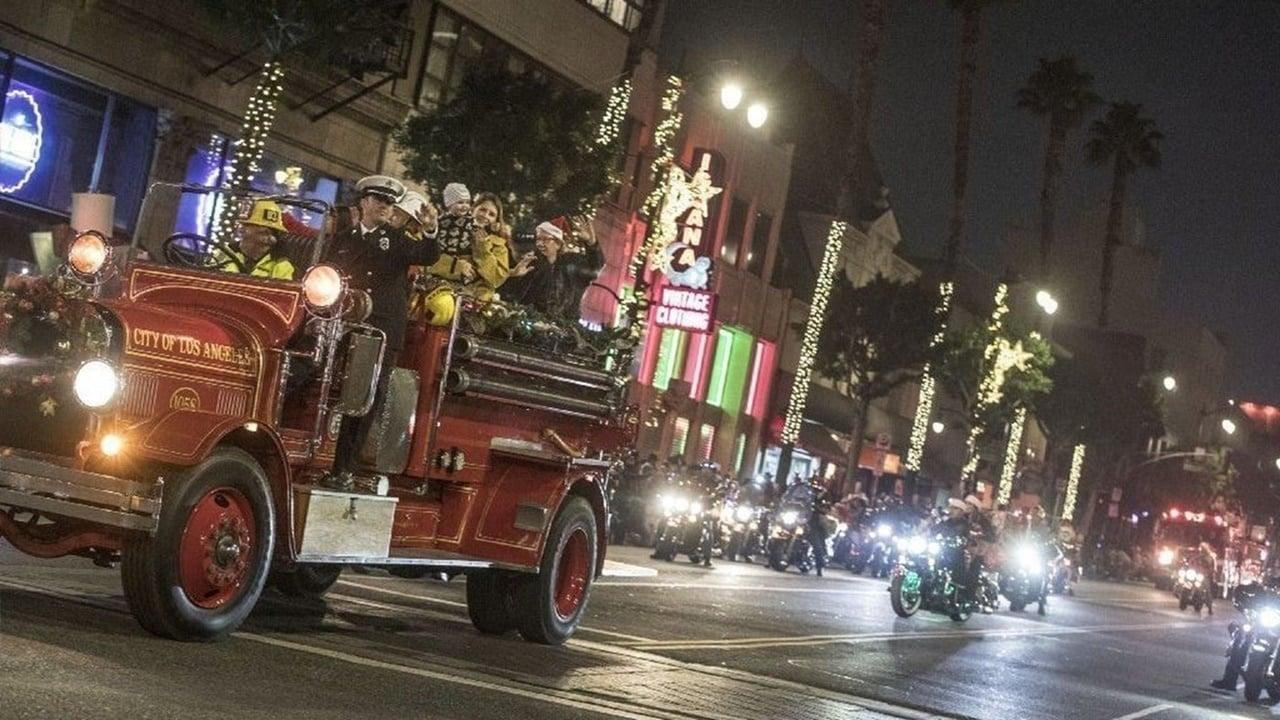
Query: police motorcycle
point(1062, 569)
point(789, 544)
point(848, 547)
point(923, 578)
point(690, 511)
point(740, 534)
point(1024, 580)
point(1254, 642)
point(1192, 586)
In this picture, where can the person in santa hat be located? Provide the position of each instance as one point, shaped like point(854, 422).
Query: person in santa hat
point(554, 278)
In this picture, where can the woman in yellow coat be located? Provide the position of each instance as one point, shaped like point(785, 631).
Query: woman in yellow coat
point(488, 264)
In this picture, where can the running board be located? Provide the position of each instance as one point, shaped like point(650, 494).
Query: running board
point(441, 559)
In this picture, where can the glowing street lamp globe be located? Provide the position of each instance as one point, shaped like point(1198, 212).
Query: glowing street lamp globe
point(1229, 426)
point(731, 95)
point(757, 114)
point(1170, 383)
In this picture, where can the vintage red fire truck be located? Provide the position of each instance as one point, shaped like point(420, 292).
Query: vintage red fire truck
point(189, 447)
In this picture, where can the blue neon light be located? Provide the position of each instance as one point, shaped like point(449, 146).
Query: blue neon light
point(21, 137)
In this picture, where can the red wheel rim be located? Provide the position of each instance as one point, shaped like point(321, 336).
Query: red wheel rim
point(217, 546)
point(572, 572)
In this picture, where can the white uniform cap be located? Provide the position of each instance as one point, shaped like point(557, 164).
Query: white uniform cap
point(383, 186)
point(412, 203)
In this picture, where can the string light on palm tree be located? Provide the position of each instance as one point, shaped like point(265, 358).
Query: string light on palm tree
point(1011, 454)
point(1073, 482)
point(928, 385)
point(812, 330)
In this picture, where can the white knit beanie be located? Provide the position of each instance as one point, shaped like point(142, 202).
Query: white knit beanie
point(455, 193)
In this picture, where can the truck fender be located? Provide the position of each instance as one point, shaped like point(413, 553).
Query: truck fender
point(589, 486)
point(185, 437)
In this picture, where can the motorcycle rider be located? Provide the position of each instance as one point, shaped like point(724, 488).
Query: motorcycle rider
point(966, 526)
point(817, 524)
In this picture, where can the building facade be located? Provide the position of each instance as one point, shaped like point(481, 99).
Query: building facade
point(113, 95)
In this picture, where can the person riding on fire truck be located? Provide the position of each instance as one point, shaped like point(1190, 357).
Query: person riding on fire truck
point(376, 258)
point(255, 252)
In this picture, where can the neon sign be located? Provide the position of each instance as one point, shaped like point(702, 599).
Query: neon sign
point(21, 136)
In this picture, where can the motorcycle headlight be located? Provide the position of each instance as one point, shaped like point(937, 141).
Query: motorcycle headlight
point(1165, 557)
point(901, 543)
point(96, 384)
point(789, 517)
point(695, 508)
point(1029, 558)
point(667, 502)
point(680, 504)
point(726, 513)
point(1270, 618)
point(935, 548)
point(883, 531)
point(743, 513)
point(917, 545)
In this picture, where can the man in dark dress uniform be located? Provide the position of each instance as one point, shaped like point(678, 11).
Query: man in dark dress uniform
point(376, 258)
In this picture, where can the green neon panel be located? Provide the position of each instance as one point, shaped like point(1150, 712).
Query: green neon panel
point(681, 436)
point(720, 367)
point(670, 353)
point(739, 447)
point(730, 370)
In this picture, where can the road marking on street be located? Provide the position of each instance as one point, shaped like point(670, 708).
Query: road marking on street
point(738, 588)
point(539, 693)
point(454, 603)
point(758, 643)
point(1145, 712)
point(613, 568)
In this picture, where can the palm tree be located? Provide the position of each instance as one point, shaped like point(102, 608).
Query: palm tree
point(1129, 141)
point(970, 39)
point(874, 15)
point(1060, 91)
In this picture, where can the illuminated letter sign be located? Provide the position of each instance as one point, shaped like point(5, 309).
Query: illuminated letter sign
point(684, 309)
point(21, 135)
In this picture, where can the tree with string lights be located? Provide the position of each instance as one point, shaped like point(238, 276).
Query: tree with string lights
point(546, 151)
point(319, 35)
point(881, 343)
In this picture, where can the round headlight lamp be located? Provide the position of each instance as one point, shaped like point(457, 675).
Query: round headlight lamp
point(1270, 618)
point(96, 384)
point(323, 287)
point(88, 253)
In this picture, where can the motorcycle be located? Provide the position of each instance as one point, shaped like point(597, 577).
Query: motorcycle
point(1255, 642)
point(922, 579)
point(740, 531)
point(881, 548)
point(1024, 582)
point(685, 529)
point(1191, 587)
point(847, 548)
point(788, 544)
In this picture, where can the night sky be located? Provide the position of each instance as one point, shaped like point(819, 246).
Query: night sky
point(1207, 72)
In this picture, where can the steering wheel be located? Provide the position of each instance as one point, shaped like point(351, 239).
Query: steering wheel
point(187, 249)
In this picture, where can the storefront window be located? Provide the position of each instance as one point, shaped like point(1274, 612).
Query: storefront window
point(624, 13)
point(60, 136)
point(739, 448)
point(733, 234)
point(761, 378)
point(759, 243)
point(706, 441)
point(670, 355)
point(457, 47)
point(679, 436)
point(729, 369)
point(208, 166)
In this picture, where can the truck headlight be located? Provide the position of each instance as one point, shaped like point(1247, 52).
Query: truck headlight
point(1270, 618)
point(96, 384)
point(322, 287)
point(88, 253)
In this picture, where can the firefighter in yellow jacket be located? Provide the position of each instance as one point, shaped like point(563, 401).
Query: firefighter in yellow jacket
point(254, 253)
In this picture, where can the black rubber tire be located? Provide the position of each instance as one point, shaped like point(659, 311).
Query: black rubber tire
point(535, 604)
point(490, 602)
point(733, 548)
point(1255, 675)
point(1017, 605)
point(961, 615)
point(900, 608)
point(1182, 602)
point(306, 581)
point(777, 558)
point(149, 564)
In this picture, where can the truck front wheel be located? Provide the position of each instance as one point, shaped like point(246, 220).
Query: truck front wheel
point(200, 575)
point(549, 605)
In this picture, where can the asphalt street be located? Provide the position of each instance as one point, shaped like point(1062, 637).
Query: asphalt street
point(668, 640)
